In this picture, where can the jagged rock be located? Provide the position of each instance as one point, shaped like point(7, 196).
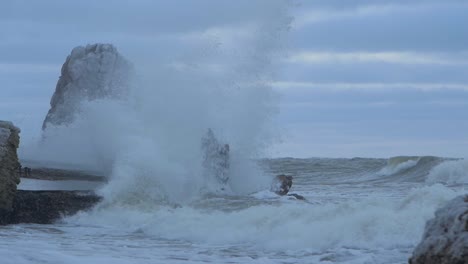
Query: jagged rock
point(93, 72)
point(281, 184)
point(445, 239)
point(216, 157)
point(9, 174)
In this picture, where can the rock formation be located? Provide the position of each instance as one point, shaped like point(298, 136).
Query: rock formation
point(445, 239)
point(281, 184)
point(93, 72)
point(216, 157)
point(9, 174)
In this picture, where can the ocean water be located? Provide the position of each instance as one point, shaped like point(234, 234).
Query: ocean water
point(357, 211)
point(160, 207)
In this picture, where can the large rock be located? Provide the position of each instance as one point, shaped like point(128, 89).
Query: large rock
point(93, 72)
point(445, 239)
point(9, 173)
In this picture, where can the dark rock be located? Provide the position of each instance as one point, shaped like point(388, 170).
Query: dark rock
point(9, 164)
point(445, 239)
point(297, 196)
point(281, 184)
point(46, 207)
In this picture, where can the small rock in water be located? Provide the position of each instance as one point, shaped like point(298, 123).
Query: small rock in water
point(281, 184)
point(297, 196)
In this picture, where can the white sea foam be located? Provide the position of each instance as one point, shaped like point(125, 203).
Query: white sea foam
point(449, 172)
point(365, 223)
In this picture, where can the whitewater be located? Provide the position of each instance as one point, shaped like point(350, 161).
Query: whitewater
point(353, 214)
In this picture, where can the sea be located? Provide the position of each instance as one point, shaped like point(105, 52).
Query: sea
point(359, 210)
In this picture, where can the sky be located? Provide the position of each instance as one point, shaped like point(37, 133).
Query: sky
point(357, 78)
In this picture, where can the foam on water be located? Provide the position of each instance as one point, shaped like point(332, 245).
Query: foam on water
point(349, 222)
point(449, 172)
point(374, 221)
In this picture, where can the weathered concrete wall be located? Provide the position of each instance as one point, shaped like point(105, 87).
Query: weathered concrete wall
point(47, 207)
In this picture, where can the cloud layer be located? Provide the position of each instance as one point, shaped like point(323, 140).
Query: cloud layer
point(359, 78)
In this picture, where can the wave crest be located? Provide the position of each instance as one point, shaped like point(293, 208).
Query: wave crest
point(449, 172)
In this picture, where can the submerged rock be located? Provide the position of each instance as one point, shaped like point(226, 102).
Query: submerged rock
point(216, 157)
point(445, 239)
point(9, 164)
point(281, 184)
point(297, 196)
point(93, 72)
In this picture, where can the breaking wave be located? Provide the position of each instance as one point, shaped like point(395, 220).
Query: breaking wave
point(399, 164)
point(449, 172)
point(372, 222)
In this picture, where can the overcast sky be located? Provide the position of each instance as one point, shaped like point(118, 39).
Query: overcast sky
point(359, 78)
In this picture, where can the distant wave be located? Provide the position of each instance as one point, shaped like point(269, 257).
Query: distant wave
point(398, 164)
point(313, 170)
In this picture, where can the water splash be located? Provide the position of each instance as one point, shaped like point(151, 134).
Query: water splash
point(149, 142)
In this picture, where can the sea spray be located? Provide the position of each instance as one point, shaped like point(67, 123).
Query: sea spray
point(449, 172)
point(149, 143)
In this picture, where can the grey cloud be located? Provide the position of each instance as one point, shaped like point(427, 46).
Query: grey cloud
point(351, 4)
point(138, 16)
point(431, 27)
point(376, 72)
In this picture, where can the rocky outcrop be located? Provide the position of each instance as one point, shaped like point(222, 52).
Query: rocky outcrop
point(216, 157)
point(445, 239)
point(93, 72)
point(281, 184)
point(9, 175)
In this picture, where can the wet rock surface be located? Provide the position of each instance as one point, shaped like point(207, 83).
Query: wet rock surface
point(9, 176)
point(46, 207)
point(445, 239)
point(281, 184)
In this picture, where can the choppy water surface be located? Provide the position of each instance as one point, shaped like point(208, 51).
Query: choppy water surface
point(357, 211)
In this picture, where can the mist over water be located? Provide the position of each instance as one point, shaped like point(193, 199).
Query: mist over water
point(149, 144)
